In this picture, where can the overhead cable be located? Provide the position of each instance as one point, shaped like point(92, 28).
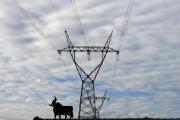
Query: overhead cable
point(55, 10)
point(73, 3)
point(121, 40)
point(114, 14)
point(125, 23)
point(32, 23)
point(38, 29)
point(64, 63)
point(61, 57)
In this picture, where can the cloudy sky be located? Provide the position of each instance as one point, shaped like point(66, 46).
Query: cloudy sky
point(147, 81)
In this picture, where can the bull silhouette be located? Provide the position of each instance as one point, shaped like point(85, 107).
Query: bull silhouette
point(59, 109)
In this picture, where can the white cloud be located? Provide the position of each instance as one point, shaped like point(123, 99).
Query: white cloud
point(147, 77)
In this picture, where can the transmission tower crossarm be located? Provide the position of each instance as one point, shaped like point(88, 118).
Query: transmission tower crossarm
point(90, 49)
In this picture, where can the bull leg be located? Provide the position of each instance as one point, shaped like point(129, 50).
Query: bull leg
point(65, 116)
point(59, 116)
point(71, 115)
point(55, 116)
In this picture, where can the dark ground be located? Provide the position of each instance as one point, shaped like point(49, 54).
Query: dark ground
point(145, 118)
point(125, 119)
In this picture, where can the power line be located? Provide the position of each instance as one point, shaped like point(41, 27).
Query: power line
point(140, 97)
point(114, 14)
point(114, 75)
point(78, 21)
point(64, 63)
point(121, 39)
point(73, 3)
point(125, 23)
point(55, 10)
point(39, 30)
point(61, 57)
point(32, 23)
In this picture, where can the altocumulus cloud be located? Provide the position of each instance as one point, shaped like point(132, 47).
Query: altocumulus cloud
point(147, 78)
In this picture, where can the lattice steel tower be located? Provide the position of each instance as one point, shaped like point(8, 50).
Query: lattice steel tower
point(87, 105)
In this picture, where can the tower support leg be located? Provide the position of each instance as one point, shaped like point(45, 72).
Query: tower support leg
point(86, 108)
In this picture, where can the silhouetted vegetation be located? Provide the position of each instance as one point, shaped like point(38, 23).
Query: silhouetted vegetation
point(37, 118)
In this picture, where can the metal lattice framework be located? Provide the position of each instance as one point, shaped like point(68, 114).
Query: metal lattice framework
point(87, 49)
point(87, 105)
point(97, 110)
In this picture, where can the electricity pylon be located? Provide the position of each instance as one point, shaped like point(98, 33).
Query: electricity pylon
point(87, 105)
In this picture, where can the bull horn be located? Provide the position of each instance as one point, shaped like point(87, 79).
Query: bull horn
point(50, 105)
point(55, 97)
